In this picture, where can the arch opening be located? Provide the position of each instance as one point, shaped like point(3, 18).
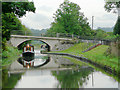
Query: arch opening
point(33, 42)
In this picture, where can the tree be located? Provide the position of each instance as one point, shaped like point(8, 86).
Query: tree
point(69, 19)
point(100, 34)
point(9, 22)
point(18, 8)
point(10, 12)
point(109, 6)
point(117, 27)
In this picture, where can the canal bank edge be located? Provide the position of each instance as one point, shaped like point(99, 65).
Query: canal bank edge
point(104, 67)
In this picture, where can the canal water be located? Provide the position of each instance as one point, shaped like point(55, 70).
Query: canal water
point(52, 71)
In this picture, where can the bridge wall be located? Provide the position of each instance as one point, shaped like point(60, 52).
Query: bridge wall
point(17, 41)
point(55, 44)
point(62, 45)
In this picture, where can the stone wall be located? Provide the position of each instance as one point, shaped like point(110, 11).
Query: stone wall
point(62, 45)
point(61, 60)
point(115, 48)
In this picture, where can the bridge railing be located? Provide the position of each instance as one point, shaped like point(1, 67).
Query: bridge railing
point(59, 35)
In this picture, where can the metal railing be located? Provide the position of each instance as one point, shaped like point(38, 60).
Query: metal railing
point(59, 35)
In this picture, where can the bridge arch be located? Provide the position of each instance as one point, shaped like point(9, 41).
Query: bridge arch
point(37, 40)
point(52, 42)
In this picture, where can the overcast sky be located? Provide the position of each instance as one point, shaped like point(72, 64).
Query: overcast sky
point(45, 9)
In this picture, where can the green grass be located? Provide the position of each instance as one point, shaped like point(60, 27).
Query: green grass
point(10, 55)
point(80, 63)
point(97, 55)
point(76, 49)
point(75, 61)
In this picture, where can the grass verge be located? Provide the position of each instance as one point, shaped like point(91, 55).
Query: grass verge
point(96, 55)
point(80, 63)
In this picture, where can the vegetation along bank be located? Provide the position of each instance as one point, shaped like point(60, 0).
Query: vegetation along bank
point(9, 55)
point(96, 56)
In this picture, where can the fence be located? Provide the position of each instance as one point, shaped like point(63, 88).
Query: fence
point(92, 39)
point(60, 35)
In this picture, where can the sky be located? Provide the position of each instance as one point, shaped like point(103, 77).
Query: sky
point(43, 16)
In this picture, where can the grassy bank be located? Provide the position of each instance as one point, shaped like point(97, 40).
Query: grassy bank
point(96, 55)
point(10, 55)
point(80, 63)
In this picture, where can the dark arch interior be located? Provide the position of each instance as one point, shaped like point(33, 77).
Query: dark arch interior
point(47, 61)
point(46, 44)
point(25, 42)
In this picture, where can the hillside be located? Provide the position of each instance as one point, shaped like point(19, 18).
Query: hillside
point(37, 32)
point(107, 29)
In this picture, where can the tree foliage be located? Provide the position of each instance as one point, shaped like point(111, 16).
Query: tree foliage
point(69, 19)
point(100, 34)
point(9, 22)
point(109, 6)
point(18, 8)
point(117, 27)
point(10, 13)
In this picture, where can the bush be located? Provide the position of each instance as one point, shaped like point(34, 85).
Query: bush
point(9, 55)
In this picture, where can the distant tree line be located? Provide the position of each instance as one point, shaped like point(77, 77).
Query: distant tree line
point(37, 32)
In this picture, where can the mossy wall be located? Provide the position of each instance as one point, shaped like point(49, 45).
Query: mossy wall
point(115, 48)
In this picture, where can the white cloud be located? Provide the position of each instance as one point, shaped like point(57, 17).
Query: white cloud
point(45, 9)
point(37, 21)
point(96, 8)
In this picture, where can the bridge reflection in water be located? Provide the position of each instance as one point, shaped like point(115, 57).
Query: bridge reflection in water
point(34, 63)
point(50, 72)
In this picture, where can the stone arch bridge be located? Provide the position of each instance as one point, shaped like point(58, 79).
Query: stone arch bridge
point(16, 40)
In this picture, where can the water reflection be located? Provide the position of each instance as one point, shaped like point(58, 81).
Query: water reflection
point(10, 80)
point(54, 72)
point(34, 63)
point(39, 60)
point(72, 78)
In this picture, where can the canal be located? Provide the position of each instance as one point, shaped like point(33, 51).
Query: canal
point(52, 71)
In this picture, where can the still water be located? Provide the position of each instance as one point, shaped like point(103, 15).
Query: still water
point(55, 72)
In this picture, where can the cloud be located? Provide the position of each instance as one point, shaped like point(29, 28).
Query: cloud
point(43, 15)
point(46, 8)
point(96, 8)
point(105, 20)
point(37, 21)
